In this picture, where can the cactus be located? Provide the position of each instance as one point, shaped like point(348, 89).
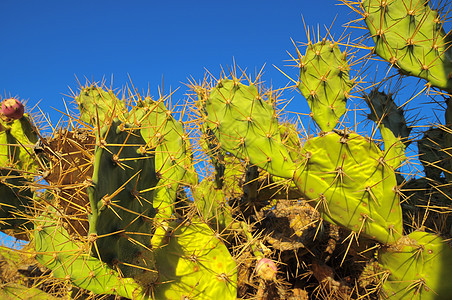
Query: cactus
point(98, 106)
point(166, 137)
point(410, 36)
point(123, 214)
point(432, 154)
point(325, 82)
point(116, 254)
point(194, 264)
point(121, 197)
point(255, 135)
point(71, 261)
point(17, 139)
point(353, 187)
point(212, 206)
point(392, 125)
point(333, 163)
point(415, 267)
point(15, 204)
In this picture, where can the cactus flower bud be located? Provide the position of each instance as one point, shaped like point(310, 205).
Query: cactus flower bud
point(12, 108)
point(266, 269)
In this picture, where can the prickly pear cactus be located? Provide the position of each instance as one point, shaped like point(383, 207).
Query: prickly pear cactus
point(325, 82)
point(17, 139)
point(15, 203)
point(416, 267)
point(165, 137)
point(71, 261)
point(121, 194)
point(353, 187)
point(246, 125)
point(194, 264)
point(391, 122)
point(98, 106)
point(410, 35)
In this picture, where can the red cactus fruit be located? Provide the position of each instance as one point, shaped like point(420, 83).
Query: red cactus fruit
point(266, 269)
point(12, 108)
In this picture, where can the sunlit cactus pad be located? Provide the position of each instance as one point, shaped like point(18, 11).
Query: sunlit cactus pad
point(416, 267)
point(17, 138)
point(71, 261)
point(246, 125)
point(346, 175)
point(325, 82)
point(410, 35)
point(194, 264)
point(97, 105)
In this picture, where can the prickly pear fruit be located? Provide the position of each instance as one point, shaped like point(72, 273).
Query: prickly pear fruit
point(12, 108)
point(266, 269)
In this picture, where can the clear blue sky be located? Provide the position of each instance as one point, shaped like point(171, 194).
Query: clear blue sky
point(47, 44)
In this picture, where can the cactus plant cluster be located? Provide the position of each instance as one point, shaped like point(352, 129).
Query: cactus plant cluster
point(115, 204)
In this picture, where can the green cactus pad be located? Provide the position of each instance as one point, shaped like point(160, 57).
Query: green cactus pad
point(383, 110)
point(212, 205)
point(246, 125)
point(121, 199)
point(71, 261)
point(433, 154)
point(325, 82)
point(352, 186)
point(291, 139)
point(165, 136)
point(15, 202)
point(209, 143)
point(391, 122)
point(418, 267)
point(17, 139)
point(410, 35)
point(194, 264)
point(98, 106)
point(14, 291)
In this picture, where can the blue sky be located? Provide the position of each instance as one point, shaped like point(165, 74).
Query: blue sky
point(47, 44)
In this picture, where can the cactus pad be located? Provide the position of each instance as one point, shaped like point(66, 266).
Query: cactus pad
point(121, 196)
point(246, 125)
point(417, 266)
point(352, 186)
point(325, 82)
point(194, 264)
point(71, 261)
point(98, 106)
point(410, 35)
